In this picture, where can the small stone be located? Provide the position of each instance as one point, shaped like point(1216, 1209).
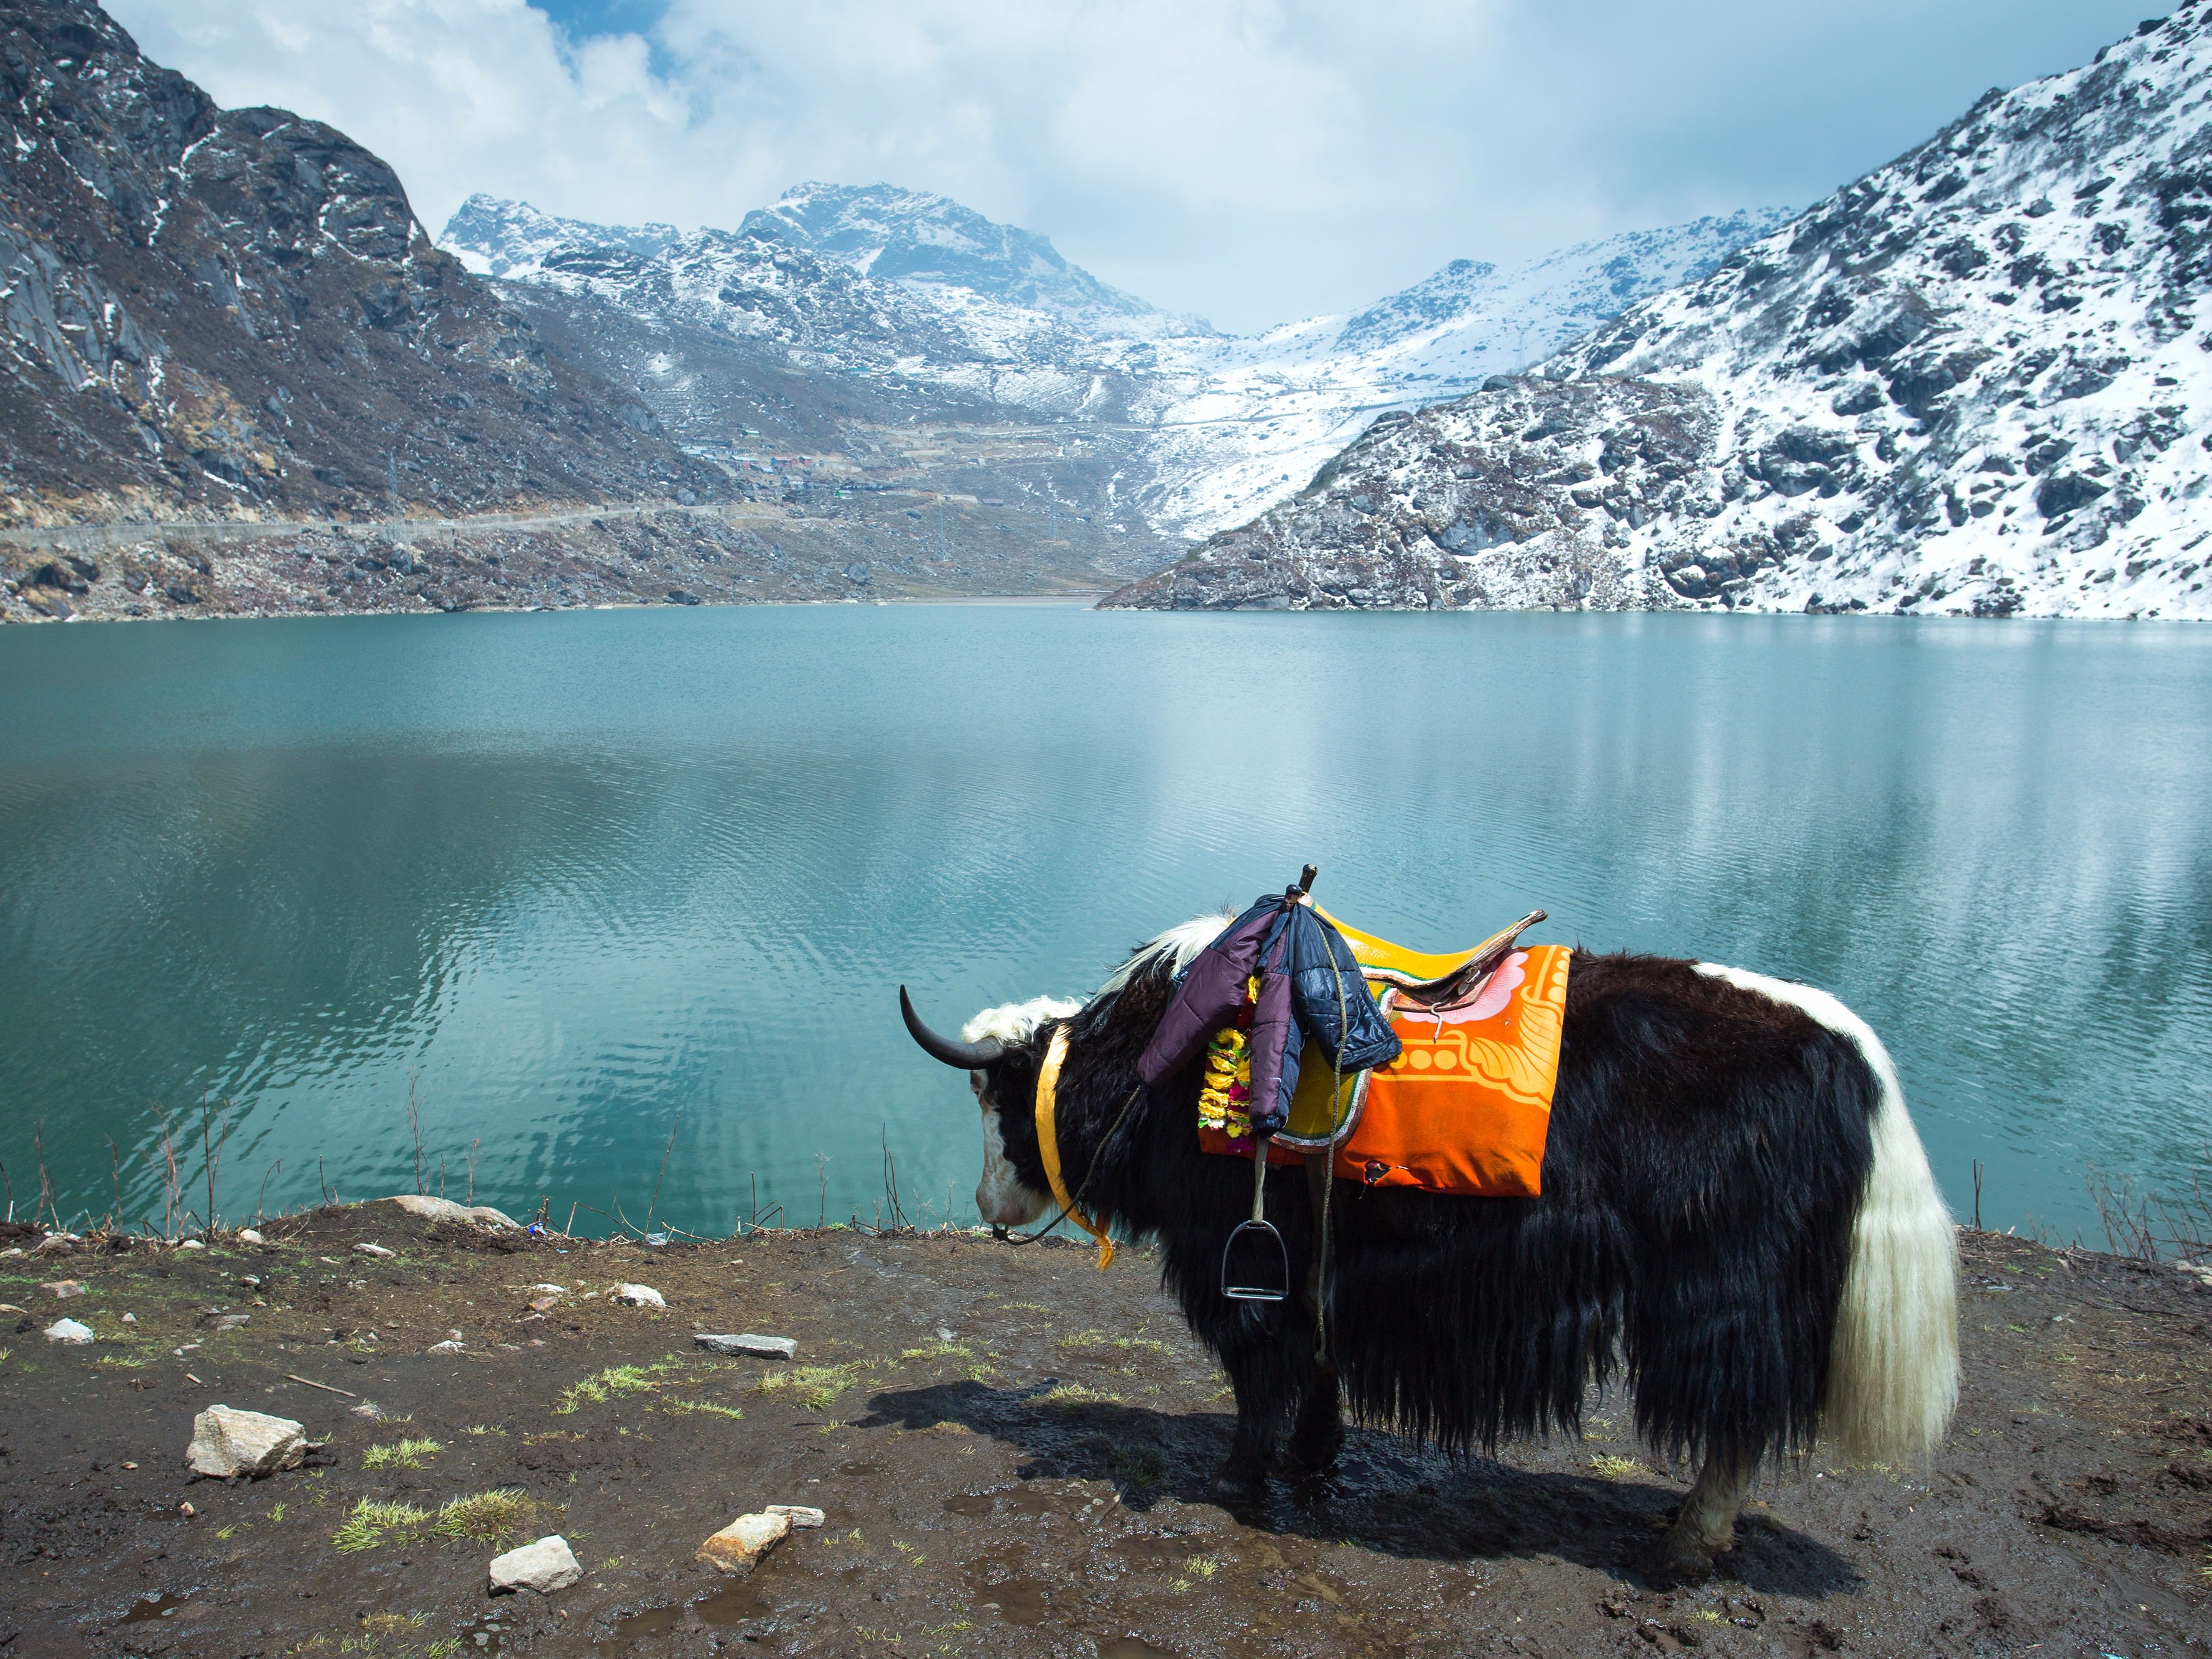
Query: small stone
point(443, 1209)
point(10, 1308)
point(68, 1330)
point(377, 1250)
point(247, 1236)
point(799, 1515)
point(549, 1290)
point(545, 1566)
point(190, 1245)
point(186, 1510)
point(129, 1466)
point(130, 1319)
point(944, 1334)
point(767, 1347)
point(735, 1548)
point(63, 1288)
point(451, 1345)
point(369, 1409)
point(227, 1442)
point(640, 1296)
point(55, 1244)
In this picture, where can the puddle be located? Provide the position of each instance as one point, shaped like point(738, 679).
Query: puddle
point(1151, 1553)
point(732, 1604)
point(1018, 1601)
point(1128, 1647)
point(1029, 1500)
point(163, 1606)
point(482, 1637)
point(971, 1503)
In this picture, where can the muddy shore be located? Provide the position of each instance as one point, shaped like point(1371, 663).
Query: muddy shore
point(1012, 1452)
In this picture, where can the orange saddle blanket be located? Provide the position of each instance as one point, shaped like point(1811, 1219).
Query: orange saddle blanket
point(1466, 1107)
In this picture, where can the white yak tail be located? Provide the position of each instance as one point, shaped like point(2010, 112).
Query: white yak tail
point(1894, 1361)
point(1893, 1370)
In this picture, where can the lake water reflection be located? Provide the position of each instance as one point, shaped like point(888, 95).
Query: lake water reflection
point(574, 878)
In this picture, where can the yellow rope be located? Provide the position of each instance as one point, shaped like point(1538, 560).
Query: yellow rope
point(1048, 1144)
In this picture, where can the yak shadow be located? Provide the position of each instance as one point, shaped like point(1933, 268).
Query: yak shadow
point(1385, 1493)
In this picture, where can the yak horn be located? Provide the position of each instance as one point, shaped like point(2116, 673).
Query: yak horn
point(967, 1056)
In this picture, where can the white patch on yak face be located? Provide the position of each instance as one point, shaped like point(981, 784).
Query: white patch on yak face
point(1000, 1197)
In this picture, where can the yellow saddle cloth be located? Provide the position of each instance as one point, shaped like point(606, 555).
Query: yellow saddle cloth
point(1466, 1107)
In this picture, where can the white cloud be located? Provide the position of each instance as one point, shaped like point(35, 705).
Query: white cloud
point(1249, 160)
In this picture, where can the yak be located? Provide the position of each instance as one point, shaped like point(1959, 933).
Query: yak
point(1736, 1219)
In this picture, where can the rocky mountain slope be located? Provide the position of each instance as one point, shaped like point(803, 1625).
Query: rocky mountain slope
point(223, 312)
point(1975, 381)
point(1252, 420)
point(846, 318)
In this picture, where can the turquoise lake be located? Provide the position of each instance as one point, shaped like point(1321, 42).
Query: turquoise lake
point(583, 881)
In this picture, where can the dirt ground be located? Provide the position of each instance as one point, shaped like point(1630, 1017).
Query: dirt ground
point(1012, 1450)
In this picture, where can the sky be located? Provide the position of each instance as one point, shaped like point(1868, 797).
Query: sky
point(1250, 161)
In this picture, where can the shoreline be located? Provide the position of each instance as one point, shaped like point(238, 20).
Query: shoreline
point(1007, 1444)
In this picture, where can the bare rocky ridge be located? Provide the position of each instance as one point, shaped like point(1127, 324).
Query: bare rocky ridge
point(1974, 382)
point(215, 314)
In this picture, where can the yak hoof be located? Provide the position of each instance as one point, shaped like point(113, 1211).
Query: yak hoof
point(1680, 1560)
point(1314, 1454)
point(1240, 1480)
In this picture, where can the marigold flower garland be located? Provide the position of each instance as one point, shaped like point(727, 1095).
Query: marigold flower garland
point(1224, 1098)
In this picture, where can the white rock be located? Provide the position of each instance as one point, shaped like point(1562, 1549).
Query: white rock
point(369, 1409)
point(376, 1250)
point(63, 1288)
point(227, 1442)
point(640, 1296)
point(130, 1319)
point(53, 1244)
point(443, 1209)
point(451, 1345)
point(190, 1245)
point(744, 1541)
point(2201, 1271)
point(545, 1566)
point(550, 1290)
point(768, 1347)
point(247, 1236)
point(68, 1330)
point(799, 1515)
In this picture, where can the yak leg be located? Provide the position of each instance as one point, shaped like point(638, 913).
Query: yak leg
point(1256, 1372)
point(1706, 1524)
point(1318, 1434)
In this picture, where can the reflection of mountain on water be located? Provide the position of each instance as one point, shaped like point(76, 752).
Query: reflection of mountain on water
point(580, 874)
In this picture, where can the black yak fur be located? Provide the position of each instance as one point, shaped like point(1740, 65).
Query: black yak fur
point(1707, 1154)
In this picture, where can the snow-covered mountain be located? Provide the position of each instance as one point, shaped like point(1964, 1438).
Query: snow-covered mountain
point(915, 237)
point(913, 308)
point(1974, 381)
point(1255, 418)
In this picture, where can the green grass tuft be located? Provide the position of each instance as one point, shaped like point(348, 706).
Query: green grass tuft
point(615, 1380)
point(699, 1408)
point(406, 1455)
point(813, 1385)
point(495, 1516)
point(371, 1523)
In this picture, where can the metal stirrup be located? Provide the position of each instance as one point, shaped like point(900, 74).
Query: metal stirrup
point(1263, 1233)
